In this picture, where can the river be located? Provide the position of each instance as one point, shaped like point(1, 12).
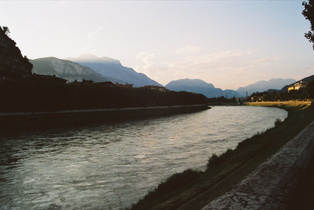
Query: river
point(111, 166)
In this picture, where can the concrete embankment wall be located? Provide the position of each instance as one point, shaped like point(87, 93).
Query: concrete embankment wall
point(271, 184)
point(10, 122)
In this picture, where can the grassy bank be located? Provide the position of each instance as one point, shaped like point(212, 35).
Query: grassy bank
point(193, 190)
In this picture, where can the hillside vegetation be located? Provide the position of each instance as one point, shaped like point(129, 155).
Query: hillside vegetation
point(24, 96)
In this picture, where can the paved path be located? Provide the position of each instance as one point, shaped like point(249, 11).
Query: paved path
point(270, 185)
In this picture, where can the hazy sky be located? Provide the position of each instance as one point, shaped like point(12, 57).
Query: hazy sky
point(230, 43)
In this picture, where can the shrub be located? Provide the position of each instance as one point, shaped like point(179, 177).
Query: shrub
point(178, 180)
point(215, 160)
point(278, 122)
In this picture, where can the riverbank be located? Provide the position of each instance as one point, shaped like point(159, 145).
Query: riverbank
point(282, 104)
point(34, 121)
point(272, 184)
point(225, 171)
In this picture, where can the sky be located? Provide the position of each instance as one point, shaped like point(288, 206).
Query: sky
point(229, 43)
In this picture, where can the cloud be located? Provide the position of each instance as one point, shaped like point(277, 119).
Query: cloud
point(147, 61)
point(152, 68)
point(188, 49)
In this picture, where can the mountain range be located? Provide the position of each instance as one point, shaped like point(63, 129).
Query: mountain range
point(101, 69)
point(89, 67)
point(114, 71)
point(65, 69)
point(200, 86)
point(262, 86)
point(14, 66)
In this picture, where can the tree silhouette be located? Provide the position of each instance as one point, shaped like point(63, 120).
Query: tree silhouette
point(6, 30)
point(308, 13)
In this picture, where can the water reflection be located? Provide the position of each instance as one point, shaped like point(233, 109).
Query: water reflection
point(112, 166)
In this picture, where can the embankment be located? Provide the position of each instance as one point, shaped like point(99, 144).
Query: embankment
point(227, 170)
point(271, 186)
point(22, 121)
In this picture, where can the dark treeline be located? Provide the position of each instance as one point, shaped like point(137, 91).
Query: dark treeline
point(23, 96)
point(301, 94)
point(222, 100)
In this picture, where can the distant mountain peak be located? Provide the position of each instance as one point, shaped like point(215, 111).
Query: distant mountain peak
point(200, 86)
point(65, 69)
point(87, 57)
point(94, 58)
point(114, 70)
point(191, 82)
point(261, 86)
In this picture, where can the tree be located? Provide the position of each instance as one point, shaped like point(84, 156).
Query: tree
point(6, 30)
point(310, 89)
point(308, 13)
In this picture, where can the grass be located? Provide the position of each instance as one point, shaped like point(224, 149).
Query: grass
point(194, 190)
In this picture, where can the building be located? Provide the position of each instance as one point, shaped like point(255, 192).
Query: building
point(83, 82)
point(46, 79)
point(104, 84)
point(297, 86)
point(124, 85)
point(155, 87)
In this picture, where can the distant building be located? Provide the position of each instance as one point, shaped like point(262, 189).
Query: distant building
point(47, 79)
point(105, 84)
point(297, 86)
point(155, 87)
point(257, 98)
point(124, 85)
point(83, 82)
point(87, 82)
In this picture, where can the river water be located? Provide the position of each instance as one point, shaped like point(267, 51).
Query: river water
point(111, 166)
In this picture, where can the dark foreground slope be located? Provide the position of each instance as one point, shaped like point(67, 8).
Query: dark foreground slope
point(302, 196)
point(270, 186)
point(194, 190)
